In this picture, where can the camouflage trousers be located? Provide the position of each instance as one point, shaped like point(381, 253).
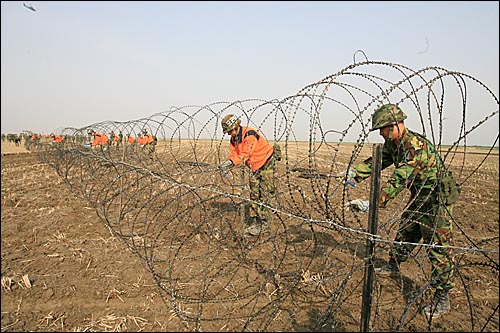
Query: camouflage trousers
point(148, 150)
point(151, 148)
point(429, 220)
point(262, 190)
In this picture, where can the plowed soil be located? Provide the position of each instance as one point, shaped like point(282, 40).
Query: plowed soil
point(62, 270)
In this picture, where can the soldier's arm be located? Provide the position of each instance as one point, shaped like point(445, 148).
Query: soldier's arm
point(364, 169)
point(395, 184)
point(233, 155)
point(402, 177)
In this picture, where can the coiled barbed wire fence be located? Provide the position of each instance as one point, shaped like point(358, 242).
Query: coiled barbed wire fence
point(182, 215)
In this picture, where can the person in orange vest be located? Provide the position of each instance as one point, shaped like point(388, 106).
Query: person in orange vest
point(259, 156)
point(148, 142)
point(130, 140)
point(57, 138)
point(35, 137)
point(100, 140)
point(140, 140)
point(113, 139)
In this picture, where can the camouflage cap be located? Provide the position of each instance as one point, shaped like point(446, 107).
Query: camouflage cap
point(229, 122)
point(387, 114)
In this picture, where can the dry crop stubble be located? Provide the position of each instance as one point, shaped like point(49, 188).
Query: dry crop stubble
point(84, 279)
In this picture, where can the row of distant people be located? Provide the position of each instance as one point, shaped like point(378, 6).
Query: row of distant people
point(14, 137)
point(101, 139)
point(35, 137)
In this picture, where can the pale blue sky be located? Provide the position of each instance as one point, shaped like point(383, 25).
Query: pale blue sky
point(71, 64)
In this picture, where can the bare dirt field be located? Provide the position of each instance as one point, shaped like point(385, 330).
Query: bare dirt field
point(63, 270)
point(81, 277)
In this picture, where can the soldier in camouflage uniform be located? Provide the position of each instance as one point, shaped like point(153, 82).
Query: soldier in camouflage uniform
point(433, 189)
point(149, 143)
point(260, 156)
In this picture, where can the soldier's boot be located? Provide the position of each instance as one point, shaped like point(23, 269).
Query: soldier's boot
point(440, 304)
point(392, 268)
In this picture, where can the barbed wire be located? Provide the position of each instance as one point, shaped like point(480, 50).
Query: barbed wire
point(184, 216)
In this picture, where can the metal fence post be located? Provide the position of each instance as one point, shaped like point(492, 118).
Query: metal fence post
point(242, 204)
point(370, 244)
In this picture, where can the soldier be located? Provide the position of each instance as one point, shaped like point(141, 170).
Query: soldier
point(35, 137)
point(433, 189)
point(259, 156)
point(99, 140)
point(113, 139)
point(57, 138)
point(130, 142)
point(120, 138)
point(130, 139)
point(148, 142)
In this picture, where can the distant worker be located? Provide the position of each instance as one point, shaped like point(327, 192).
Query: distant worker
point(120, 138)
point(100, 140)
point(140, 140)
point(148, 143)
point(35, 137)
point(259, 156)
point(113, 139)
point(130, 142)
point(433, 189)
point(130, 139)
point(17, 140)
point(57, 138)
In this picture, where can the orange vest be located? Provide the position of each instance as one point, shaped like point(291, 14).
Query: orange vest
point(251, 145)
point(100, 139)
point(148, 138)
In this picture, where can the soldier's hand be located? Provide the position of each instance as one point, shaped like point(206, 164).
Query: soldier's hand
point(358, 205)
point(226, 165)
point(349, 173)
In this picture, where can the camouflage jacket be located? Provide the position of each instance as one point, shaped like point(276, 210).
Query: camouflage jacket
point(417, 166)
